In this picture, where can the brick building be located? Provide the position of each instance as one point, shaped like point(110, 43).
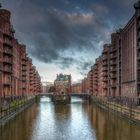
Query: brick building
point(95, 78)
point(130, 41)
point(15, 65)
point(7, 42)
point(105, 59)
point(77, 88)
point(129, 59)
point(85, 84)
point(90, 81)
point(62, 84)
point(114, 70)
point(116, 73)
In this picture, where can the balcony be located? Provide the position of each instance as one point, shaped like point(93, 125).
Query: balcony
point(95, 77)
point(95, 80)
point(104, 57)
point(8, 32)
point(31, 76)
point(105, 63)
point(31, 84)
point(24, 63)
point(7, 42)
point(105, 79)
point(31, 89)
point(7, 61)
point(7, 83)
point(113, 76)
point(24, 59)
point(31, 80)
point(8, 52)
point(113, 56)
point(113, 69)
point(105, 50)
point(91, 81)
point(7, 69)
point(112, 63)
point(23, 79)
point(105, 69)
point(105, 86)
point(24, 74)
point(113, 49)
point(95, 72)
point(113, 85)
point(24, 68)
point(96, 89)
point(104, 74)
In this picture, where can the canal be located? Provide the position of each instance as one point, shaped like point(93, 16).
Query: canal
point(76, 121)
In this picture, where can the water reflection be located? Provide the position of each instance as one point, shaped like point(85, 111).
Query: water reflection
point(110, 127)
point(76, 100)
point(45, 100)
point(20, 127)
point(76, 121)
point(79, 126)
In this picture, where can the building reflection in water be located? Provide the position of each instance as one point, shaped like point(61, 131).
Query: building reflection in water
point(76, 121)
point(18, 128)
point(110, 127)
point(44, 125)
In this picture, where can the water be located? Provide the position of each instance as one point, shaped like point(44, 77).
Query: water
point(77, 121)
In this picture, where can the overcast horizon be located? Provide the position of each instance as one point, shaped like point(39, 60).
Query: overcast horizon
point(66, 36)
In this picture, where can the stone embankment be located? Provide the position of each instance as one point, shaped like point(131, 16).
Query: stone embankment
point(129, 112)
point(10, 110)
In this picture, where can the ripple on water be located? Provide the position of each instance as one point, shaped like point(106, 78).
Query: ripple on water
point(76, 121)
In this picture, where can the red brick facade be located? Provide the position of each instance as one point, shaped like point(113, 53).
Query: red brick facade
point(116, 73)
point(77, 88)
point(82, 87)
point(16, 75)
point(62, 84)
point(129, 67)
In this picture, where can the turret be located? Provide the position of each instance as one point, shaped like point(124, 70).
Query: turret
point(5, 24)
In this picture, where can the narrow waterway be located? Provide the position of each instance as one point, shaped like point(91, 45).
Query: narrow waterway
point(77, 121)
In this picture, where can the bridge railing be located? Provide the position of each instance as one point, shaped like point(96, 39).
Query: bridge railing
point(64, 94)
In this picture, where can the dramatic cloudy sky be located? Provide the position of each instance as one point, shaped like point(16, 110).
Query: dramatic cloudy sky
point(66, 35)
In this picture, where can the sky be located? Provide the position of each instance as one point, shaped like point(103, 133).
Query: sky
point(66, 36)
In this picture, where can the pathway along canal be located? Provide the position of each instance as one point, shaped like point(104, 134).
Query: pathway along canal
point(77, 121)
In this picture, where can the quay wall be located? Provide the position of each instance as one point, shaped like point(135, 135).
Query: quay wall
point(14, 108)
point(130, 113)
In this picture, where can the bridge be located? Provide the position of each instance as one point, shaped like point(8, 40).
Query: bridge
point(81, 95)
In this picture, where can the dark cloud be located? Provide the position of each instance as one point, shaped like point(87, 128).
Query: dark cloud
point(50, 28)
point(84, 66)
